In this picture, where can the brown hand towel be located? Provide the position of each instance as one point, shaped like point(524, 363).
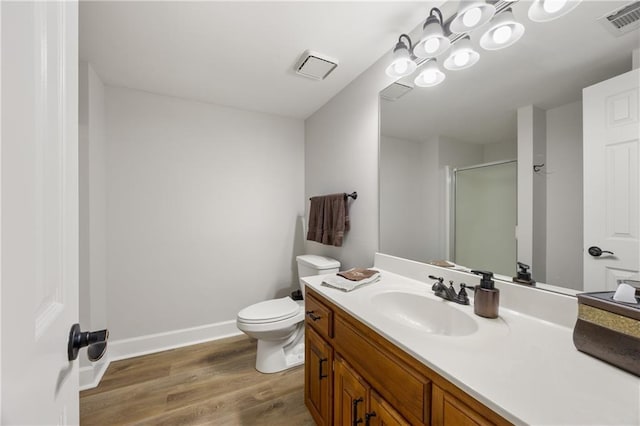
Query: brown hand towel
point(316, 219)
point(357, 274)
point(328, 219)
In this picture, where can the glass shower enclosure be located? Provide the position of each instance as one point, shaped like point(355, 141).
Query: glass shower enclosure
point(484, 213)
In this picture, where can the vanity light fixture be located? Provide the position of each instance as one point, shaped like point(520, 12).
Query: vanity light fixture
point(402, 64)
point(433, 41)
point(471, 14)
point(438, 35)
point(462, 56)
point(503, 32)
point(548, 10)
point(430, 76)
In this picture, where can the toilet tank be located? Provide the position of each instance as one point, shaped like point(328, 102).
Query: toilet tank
point(311, 264)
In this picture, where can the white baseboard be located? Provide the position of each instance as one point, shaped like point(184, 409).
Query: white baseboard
point(144, 345)
point(91, 375)
point(128, 348)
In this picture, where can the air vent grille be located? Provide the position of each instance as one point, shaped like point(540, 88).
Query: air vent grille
point(395, 91)
point(623, 20)
point(315, 65)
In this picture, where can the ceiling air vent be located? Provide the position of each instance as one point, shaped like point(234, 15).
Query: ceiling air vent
point(315, 65)
point(623, 20)
point(395, 91)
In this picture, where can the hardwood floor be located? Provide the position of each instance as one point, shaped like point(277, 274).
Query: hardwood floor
point(211, 383)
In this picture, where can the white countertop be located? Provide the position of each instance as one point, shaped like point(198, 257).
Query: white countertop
point(524, 368)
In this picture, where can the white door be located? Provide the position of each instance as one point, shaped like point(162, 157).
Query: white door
point(611, 128)
point(39, 211)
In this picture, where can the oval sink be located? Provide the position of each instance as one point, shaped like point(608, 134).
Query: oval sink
point(424, 314)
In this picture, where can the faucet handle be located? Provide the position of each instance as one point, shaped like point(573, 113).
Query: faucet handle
point(437, 284)
point(462, 296)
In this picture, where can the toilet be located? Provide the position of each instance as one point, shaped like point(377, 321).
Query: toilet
point(278, 324)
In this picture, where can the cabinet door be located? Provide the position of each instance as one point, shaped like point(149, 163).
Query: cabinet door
point(380, 413)
point(351, 395)
point(450, 411)
point(318, 381)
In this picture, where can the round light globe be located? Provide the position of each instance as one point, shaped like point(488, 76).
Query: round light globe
point(401, 67)
point(461, 59)
point(552, 6)
point(429, 76)
point(502, 34)
point(432, 45)
point(472, 16)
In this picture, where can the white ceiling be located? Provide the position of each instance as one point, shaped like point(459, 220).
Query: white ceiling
point(547, 67)
point(237, 53)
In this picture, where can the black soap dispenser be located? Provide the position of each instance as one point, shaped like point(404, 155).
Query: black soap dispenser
point(487, 297)
point(524, 276)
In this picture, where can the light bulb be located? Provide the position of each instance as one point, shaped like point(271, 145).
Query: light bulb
point(461, 59)
point(429, 76)
point(472, 16)
point(502, 34)
point(431, 45)
point(552, 6)
point(401, 66)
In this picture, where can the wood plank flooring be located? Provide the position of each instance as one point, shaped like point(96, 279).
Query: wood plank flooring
point(211, 383)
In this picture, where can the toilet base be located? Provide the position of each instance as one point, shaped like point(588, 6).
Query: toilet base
point(273, 357)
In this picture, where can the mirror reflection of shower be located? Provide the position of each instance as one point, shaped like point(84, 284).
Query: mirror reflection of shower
point(483, 216)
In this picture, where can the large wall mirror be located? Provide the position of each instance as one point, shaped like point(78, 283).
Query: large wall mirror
point(452, 164)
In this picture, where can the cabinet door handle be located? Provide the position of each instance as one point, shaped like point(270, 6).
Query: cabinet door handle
point(367, 418)
point(320, 362)
point(313, 316)
point(356, 419)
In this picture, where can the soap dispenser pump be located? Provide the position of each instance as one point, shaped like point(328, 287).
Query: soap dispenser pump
point(487, 298)
point(524, 276)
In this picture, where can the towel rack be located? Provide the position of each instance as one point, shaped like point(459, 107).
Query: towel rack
point(353, 195)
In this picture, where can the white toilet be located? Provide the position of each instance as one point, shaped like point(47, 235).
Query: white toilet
point(278, 324)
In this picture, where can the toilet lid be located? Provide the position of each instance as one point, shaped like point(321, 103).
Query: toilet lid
point(269, 310)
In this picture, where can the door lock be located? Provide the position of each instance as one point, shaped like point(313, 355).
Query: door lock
point(96, 342)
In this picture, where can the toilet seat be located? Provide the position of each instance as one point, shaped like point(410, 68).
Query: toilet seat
point(269, 311)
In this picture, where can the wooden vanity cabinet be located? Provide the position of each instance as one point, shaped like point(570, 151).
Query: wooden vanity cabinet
point(354, 376)
point(355, 402)
point(451, 411)
point(351, 394)
point(382, 414)
point(318, 377)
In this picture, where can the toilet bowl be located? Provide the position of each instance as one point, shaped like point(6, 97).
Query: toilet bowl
point(278, 324)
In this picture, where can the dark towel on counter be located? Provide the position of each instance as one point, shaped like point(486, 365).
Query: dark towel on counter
point(357, 274)
point(328, 219)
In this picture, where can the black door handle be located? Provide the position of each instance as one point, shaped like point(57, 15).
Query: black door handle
point(95, 340)
point(320, 362)
point(313, 316)
point(367, 418)
point(595, 251)
point(356, 419)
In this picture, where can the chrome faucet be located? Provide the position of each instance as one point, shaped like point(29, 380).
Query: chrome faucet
point(449, 293)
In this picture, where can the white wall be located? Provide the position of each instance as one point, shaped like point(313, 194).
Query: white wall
point(454, 153)
point(500, 151)
point(92, 202)
point(531, 192)
point(341, 155)
point(563, 173)
point(539, 262)
point(403, 232)
point(202, 210)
